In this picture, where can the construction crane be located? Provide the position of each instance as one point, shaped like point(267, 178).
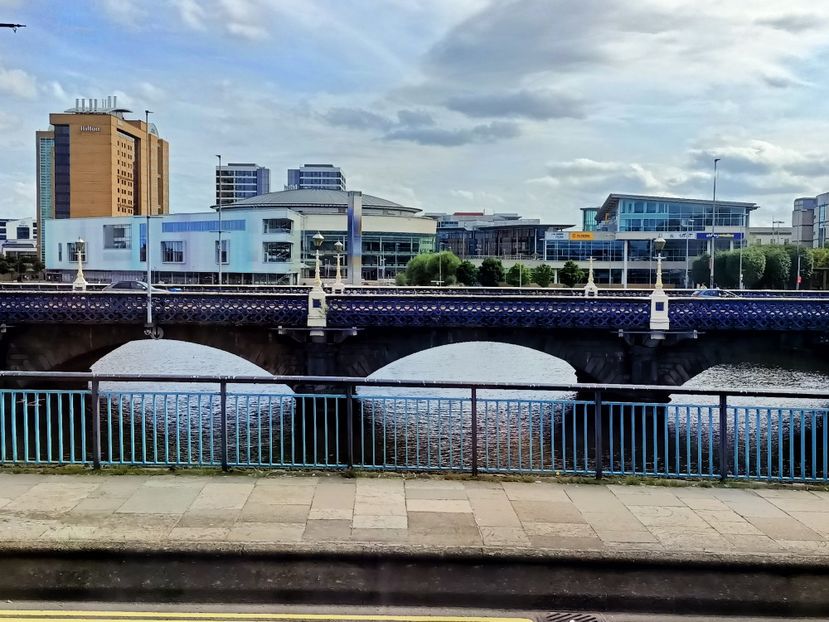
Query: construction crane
point(13, 26)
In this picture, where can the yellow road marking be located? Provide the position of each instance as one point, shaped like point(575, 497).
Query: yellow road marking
point(134, 616)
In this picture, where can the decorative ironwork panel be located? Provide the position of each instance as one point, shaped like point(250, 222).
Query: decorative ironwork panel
point(480, 311)
point(127, 308)
point(749, 314)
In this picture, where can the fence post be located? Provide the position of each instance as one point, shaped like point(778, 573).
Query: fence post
point(474, 430)
point(223, 424)
point(349, 425)
point(597, 433)
point(723, 437)
point(96, 425)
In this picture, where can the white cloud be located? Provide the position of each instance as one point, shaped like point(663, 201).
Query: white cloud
point(191, 13)
point(18, 83)
point(125, 12)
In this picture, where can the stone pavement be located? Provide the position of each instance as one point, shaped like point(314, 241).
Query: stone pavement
point(330, 511)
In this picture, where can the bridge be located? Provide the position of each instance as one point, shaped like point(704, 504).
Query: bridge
point(616, 337)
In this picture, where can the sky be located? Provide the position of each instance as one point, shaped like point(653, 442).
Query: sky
point(532, 106)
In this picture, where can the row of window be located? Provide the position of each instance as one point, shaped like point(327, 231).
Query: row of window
point(173, 251)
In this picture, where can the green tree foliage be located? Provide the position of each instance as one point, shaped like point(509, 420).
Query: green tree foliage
point(806, 265)
point(570, 274)
point(820, 259)
point(426, 269)
point(519, 275)
point(467, 273)
point(417, 271)
point(778, 268)
point(543, 275)
point(400, 279)
point(491, 272)
point(754, 266)
point(700, 272)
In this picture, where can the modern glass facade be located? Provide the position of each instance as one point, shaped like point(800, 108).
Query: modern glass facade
point(315, 177)
point(45, 181)
point(384, 254)
point(822, 220)
point(235, 182)
point(588, 218)
point(61, 172)
point(638, 214)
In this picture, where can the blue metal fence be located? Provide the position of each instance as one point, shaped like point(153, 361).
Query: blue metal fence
point(237, 423)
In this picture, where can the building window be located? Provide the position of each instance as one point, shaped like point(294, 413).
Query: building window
point(72, 251)
point(117, 236)
point(23, 233)
point(60, 251)
point(277, 225)
point(172, 252)
point(277, 252)
point(224, 251)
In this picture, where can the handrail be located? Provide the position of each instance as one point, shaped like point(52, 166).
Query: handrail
point(345, 381)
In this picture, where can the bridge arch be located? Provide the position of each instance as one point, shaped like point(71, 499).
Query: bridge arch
point(480, 362)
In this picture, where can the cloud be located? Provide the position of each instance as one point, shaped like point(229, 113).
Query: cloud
point(125, 12)
point(537, 105)
point(191, 13)
point(793, 22)
point(485, 133)
point(414, 118)
point(357, 119)
point(479, 196)
point(18, 83)
point(247, 31)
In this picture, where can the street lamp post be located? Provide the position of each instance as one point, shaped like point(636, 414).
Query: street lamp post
point(713, 226)
point(79, 284)
point(775, 230)
point(659, 244)
point(147, 114)
point(318, 240)
point(688, 223)
point(338, 280)
point(219, 209)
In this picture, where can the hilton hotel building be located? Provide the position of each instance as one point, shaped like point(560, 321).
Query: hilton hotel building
point(94, 162)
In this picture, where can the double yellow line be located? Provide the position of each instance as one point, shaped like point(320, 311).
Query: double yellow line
point(33, 615)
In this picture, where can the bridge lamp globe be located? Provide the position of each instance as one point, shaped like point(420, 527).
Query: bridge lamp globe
point(658, 245)
point(338, 247)
point(318, 239)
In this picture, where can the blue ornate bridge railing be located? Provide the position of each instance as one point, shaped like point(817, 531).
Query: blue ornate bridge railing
point(368, 424)
point(476, 311)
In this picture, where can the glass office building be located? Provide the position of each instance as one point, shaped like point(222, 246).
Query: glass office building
point(821, 229)
point(237, 181)
point(622, 246)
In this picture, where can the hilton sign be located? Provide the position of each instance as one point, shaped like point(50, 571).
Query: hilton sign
point(90, 128)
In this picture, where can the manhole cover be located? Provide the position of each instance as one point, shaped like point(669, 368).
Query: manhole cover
point(572, 617)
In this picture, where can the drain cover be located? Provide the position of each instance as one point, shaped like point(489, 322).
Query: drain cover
point(572, 617)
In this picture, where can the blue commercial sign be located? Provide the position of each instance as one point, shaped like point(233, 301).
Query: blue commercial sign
point(707, 236)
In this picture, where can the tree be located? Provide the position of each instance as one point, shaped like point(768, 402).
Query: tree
point(570, 274)
point(778, 268)
point(519, 275)
point(417, 271)
point(467, 273)
point(400, 279)
point(820, 258)
point(425, 269)
point(491, 272)
point(4, 266)
point(543, 275)
point(807, 265)
point(754, 266)
point(700, 271)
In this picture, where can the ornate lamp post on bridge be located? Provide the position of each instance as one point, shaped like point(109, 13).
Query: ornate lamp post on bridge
point(338, 285)
point(79, 284)
point(316, 297)
point(318, 240)
point(659, 299)
point(590, 289)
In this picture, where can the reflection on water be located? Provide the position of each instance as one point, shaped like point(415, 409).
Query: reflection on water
point(757, 377)
point(481, 361)
point(164, 357)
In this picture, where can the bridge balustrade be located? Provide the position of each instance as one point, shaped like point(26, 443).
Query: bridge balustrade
point(426, 426)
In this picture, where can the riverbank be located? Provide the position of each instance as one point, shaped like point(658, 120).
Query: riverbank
point(413, 541)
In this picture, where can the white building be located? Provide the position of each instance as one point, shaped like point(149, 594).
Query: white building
point(18, 237)
point(266, 239)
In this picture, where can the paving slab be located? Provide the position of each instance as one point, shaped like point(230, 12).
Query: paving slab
point(488, 515)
